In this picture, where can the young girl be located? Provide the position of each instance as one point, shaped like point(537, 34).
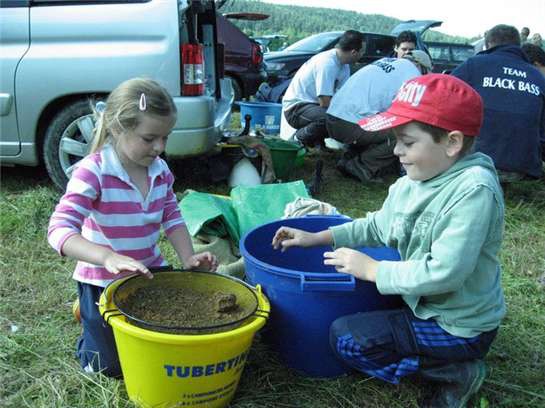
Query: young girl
point(115, 204)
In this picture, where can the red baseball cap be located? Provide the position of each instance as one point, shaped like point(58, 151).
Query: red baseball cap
point(436, 99)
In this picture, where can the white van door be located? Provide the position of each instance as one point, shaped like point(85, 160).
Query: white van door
point(14, 32)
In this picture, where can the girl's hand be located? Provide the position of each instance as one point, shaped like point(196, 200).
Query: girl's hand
point(286, 237)
point(352, 262)
point(202, 260)
point(116, 263)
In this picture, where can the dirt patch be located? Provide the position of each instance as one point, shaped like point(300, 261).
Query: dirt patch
point(174, 308)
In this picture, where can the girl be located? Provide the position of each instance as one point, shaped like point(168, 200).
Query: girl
point(115, 204)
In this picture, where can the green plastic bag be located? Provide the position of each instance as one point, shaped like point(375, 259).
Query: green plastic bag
point(247, 208)
point(257, 205)
point(210, 214)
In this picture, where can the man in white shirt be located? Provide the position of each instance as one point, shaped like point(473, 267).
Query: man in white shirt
point(368, 91)
point(307, 98)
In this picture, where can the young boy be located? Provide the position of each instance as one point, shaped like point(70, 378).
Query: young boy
point(446, 219)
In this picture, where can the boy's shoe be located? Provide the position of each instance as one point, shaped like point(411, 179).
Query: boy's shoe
point(76, 310)
point(458, 382)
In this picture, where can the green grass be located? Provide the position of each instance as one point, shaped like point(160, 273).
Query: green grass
point(37, 367)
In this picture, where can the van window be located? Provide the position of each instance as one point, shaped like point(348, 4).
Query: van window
point(438, 52)
point(460, 54)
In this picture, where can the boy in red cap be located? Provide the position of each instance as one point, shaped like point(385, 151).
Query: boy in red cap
point(445, 217)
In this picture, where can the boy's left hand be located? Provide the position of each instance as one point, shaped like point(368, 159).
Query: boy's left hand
point(203, 260)
point(352, 262)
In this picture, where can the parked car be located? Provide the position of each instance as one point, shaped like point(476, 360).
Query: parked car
point(243, 55)
point(266, 40)
point(55, 57)
point(282, 65)
point(447, 56)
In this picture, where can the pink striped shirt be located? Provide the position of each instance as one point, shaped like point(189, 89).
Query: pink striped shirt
point(103, 205)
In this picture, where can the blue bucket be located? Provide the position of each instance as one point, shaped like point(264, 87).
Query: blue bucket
point(265, 116)
point(307, 296)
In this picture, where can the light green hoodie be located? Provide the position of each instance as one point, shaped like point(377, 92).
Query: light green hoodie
point(448, 231)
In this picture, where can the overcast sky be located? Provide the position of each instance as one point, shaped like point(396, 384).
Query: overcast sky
point(467, 18)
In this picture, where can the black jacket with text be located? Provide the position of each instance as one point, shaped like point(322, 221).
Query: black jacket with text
point(513, 92)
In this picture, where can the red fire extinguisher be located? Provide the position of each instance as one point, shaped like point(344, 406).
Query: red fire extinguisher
point(193, 68)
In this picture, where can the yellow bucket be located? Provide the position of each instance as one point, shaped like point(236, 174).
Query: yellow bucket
point(172, 370)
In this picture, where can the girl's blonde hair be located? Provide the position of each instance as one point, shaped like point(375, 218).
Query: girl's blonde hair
point(126, 104)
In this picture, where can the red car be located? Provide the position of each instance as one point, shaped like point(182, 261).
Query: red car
point(243, 56)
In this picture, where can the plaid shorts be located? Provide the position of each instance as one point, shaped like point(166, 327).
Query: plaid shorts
point(390, 344)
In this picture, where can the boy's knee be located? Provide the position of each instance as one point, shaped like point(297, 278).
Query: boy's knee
point(337, 331)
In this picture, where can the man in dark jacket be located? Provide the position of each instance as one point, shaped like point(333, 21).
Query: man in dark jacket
point(513, 92)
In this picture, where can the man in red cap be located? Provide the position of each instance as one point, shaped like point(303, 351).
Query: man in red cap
point(445, 217)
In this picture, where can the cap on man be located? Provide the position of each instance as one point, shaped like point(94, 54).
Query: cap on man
point(371, 89)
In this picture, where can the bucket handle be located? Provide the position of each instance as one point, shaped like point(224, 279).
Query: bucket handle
point(112, 313)
point(340, 283)
point(262, 313)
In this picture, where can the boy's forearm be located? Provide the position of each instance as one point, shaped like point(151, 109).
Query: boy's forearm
point(324, 237)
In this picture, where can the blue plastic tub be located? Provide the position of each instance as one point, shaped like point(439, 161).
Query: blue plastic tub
point(265, 116)
point(306, 296)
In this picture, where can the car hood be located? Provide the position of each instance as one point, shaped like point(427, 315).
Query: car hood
point(274, 55)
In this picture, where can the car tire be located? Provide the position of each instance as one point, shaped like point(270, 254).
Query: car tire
point(67, 140)
point(237, 90)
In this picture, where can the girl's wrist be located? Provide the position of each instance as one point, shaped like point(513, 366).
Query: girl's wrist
point(104, 253)
point(186, 259)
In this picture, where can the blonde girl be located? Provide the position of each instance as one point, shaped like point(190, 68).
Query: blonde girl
point(117, 201)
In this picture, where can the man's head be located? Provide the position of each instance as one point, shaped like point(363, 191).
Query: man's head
point(501, 35)
point(350, 46)
point(421, 60)
point(536, 56)
point(405, 42)
point(524, 33)
point(435, 118)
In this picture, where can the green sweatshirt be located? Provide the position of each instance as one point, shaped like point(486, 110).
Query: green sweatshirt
point(448, 231)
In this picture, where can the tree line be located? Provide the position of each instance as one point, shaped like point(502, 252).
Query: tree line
point(297, 22)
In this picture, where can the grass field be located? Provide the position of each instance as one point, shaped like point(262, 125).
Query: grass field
point(37, 331)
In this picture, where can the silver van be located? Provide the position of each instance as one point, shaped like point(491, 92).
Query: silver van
point(57, 56)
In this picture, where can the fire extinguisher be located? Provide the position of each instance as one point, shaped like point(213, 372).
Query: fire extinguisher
point(193, 68)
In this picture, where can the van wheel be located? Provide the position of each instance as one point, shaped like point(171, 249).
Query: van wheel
point(67, 140)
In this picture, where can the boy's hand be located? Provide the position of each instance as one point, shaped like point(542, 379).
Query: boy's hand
point(352, 262)
point(116, 263)
point(286, 237)
point(202, 260)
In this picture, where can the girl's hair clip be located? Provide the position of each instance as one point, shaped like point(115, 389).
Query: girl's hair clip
point(100, 106)
point(142, 104)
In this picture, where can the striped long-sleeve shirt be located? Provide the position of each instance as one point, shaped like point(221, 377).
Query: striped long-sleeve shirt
point(105, 207)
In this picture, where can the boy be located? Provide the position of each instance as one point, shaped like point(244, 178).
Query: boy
point(446, 219)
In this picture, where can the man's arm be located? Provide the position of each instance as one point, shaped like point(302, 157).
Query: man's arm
point(324, 101)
